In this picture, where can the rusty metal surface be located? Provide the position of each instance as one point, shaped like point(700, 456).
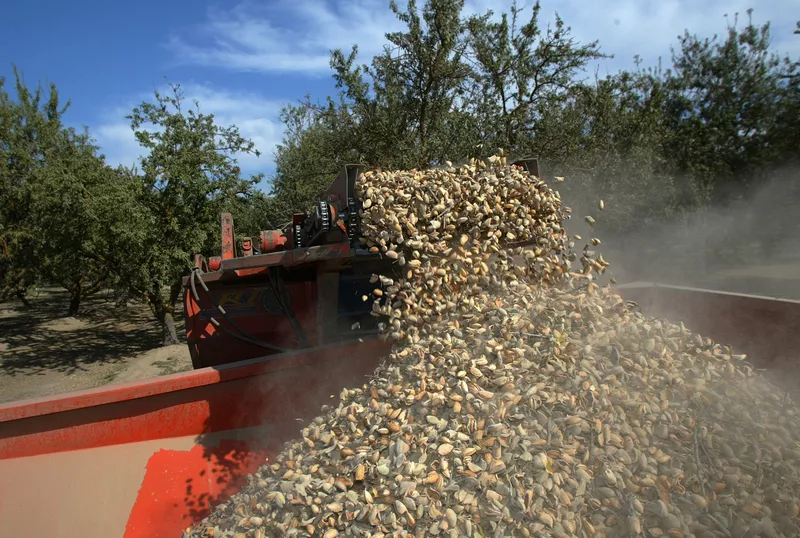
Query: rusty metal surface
point(247, 246)
point(272, 240)
point(334, 255)
point(289, 258)
point(228, 239)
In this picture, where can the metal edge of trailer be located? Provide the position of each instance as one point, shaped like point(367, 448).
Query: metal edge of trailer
point(154, 408)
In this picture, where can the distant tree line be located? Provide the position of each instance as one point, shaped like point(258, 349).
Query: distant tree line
point(654, 142)
point(68, 218)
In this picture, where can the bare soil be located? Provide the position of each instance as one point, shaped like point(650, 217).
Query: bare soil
point(42, 352)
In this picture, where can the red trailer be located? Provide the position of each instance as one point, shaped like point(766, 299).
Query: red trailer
point(148, 458)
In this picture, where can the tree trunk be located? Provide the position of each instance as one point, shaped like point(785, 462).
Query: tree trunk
point(170, 335)
point(24, 300)
point(75, 300)
point(164, 311)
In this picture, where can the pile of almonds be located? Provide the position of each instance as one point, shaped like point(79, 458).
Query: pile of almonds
point(521, 398)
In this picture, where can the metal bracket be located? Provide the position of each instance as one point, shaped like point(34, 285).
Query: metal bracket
point(529, 164)
point(228, 239)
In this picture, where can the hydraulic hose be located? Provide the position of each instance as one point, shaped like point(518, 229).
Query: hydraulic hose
point(244, 336)
point(276, 283)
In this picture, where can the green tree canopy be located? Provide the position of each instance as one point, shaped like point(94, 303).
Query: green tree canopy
point(30, 129)
point(189, 175)
point(519, 71)
point(444, 88)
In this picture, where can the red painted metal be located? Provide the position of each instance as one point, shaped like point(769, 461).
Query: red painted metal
point(255, 309)
point(189, 403)
point(332, 256)
point(214, 263)
point(195, 436)
point(195, 480)
point(200, 263)
point(247, 247)
point(335, 254)
point(281, 299)
point(766, 329)
point(251, 272)
point(228, 238)
point(243, 289)
point(272, 240)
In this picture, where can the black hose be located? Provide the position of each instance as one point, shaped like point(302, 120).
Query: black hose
point(275, 283)
point(245, 336)
point(193, 287)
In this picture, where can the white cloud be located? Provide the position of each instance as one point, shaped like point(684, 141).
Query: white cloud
point(626, 28)
point(117, 143)
point(254, 115)
point(292, 36)
point(285, 36)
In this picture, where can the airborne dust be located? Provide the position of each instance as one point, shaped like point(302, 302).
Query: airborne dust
point(750, 244)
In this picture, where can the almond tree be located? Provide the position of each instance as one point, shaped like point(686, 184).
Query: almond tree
point(188, 175)
point(87, 217)
point(29, 127)
point(519, 71)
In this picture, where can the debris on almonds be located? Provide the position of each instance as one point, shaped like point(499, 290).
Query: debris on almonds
point(520, 398)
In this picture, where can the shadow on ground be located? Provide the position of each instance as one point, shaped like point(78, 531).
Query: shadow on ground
point(41, 339)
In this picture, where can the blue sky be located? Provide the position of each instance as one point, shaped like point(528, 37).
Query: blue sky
point(244, 60)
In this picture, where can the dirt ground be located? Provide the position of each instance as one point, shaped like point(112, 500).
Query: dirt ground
point(42, 352)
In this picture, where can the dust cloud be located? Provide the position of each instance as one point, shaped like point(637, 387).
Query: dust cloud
point(749, 245)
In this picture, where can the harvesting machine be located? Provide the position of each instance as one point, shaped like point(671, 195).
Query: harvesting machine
point(300, 287)
point(295, 288)
point(276, 328)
